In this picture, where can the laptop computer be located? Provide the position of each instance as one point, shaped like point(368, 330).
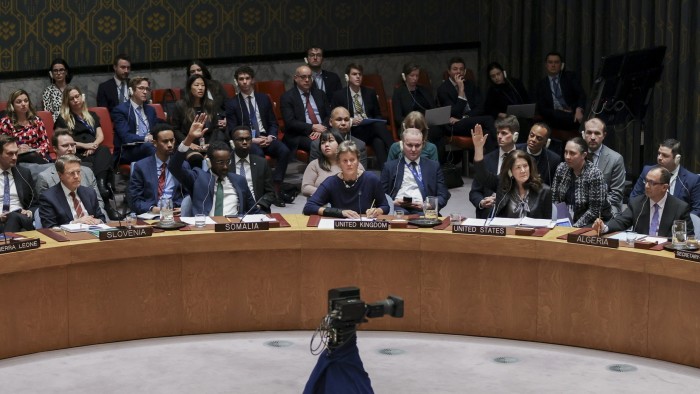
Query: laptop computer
point(522, 110)
point(438, 116)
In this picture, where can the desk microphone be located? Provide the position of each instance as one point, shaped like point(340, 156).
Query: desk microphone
point(251, 208)
point(634, 228)
point(114, 202)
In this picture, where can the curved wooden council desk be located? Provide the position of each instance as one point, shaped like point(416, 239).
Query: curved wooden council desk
point(180, 283)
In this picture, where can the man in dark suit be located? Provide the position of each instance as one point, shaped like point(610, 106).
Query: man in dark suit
point(414, 177)
point(69, 202)
point(263, 124)
point(363, 105)
point(340, 127)
point(482, 197)
point(684, 184)
point(466, 101)
point(537, 146)
point(150, 179)
point(18, 196)
point(305, 111)
point(323, 80)
point(560, 96)
point(653, 213)
point(215, 192)
point(132, 122)
point(254, 169)
point(114, 91)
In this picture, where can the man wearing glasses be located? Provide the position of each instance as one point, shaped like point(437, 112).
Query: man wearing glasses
point(305, 111)
point(324, 80)
point(652, 213)
point(132, 124)
point(216, 191)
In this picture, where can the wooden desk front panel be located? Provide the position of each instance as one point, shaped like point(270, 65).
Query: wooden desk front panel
point(186, 283)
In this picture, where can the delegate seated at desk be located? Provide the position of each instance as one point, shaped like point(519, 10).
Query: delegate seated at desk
point(68, 201)
point(216, 192)
point(350, 192)
point(654, 212)
point(520, 191)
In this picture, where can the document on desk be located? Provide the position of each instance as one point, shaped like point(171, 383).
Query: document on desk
point(474, 222)
point(504, 222)
point(148, 216)
point(78, 227)
point(623, 235)
point(328, 224)
point(190, 220)
point(531, 222)
point(257, 218)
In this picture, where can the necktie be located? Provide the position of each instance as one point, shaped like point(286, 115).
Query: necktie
point(142, 125)
point(253, 116)
point(161, 180)
point(310, 110)
point(358, 106)
point(219, 205)
point(122, 95)
point(557, 94)
point(6, 192)
point(415, 170)
point(76, 205)
point(241, 169)
point(653, 231)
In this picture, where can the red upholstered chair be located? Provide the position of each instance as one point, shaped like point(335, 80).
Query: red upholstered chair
point(157, 95)
point(3, 105)
point(47, 118)
point(108, 133)
point(230, 90)
point(160, 114)
point(376, 82)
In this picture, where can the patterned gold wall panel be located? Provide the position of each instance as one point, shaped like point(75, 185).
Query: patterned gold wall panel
point(88, 33)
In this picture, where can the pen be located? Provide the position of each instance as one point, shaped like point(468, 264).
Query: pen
point(371, 208)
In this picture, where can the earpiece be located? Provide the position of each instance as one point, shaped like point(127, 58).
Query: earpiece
point(515, 136)
point(505, 74)
point(10, 107)
point(549, 140)
point(403, 126)
point(230, 142)
point(51, 74)
point(583, 134)
point(403, 76)
point(677, 160)
point(130, 91)
point(562, 66)
point(510, 173)
point(208, 162)
point(347, 78)
point(235, 83)
point(306, 61)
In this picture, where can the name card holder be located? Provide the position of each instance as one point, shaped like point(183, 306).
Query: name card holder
point(479, 230)
point(691, 256)
point(592, 241)
point(19, 245)
point(126, 233)
point(241, 226)
point(360, 225)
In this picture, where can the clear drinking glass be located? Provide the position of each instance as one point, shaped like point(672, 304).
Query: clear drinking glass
point(679, 233)
point(200, 220)
point(166, 211)
point(430, 207)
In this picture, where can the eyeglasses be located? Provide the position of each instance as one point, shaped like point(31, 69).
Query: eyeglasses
point(143, 88)
point(315, 55)
point(221, 162)
point(60, 71)
point(652, 183)
point(304, 77)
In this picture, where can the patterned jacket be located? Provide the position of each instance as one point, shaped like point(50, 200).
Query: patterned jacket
point(590, 193)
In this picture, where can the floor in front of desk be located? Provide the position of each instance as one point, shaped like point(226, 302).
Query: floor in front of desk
point(396, 363)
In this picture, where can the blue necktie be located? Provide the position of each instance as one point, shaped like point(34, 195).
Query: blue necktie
point(654, 230)
point(253, 117)
point(6, 193)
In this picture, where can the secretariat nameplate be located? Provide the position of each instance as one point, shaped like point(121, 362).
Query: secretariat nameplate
point(16, 246)
point(592, 241)
point(125, 233)
point(479, 230)
point(241, 226)
point(692, 256)
point(359, 225)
